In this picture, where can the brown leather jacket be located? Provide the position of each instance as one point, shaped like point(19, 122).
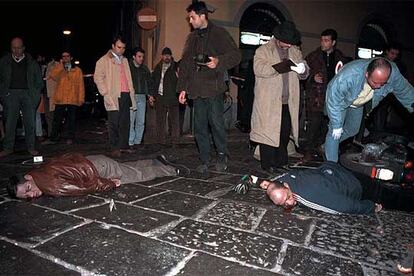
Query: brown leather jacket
point(315, 92)
point(70, 174)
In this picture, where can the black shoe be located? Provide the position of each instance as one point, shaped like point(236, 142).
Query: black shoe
point(221, 165)
point(181, 170)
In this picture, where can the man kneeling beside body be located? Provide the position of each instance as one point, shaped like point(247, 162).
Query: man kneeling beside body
point(329, 188)
point(73, 174)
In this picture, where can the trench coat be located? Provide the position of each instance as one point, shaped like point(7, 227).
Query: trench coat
point(267, 105)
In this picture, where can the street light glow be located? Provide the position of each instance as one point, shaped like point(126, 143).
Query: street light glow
point(67, 32)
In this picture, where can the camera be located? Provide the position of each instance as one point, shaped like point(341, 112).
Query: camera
point(201, 59)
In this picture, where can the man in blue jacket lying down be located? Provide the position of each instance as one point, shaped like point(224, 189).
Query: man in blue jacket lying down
point(329, 188)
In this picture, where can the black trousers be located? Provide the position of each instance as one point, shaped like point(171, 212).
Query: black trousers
point(59, 113)
point(167, 112)
point(118, 124)
point(277, 156)
point(317, 127)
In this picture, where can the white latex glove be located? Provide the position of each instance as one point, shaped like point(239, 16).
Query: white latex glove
point(336, 133)
point(299, 68)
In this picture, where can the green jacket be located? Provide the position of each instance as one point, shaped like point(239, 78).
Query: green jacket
point(34, 77)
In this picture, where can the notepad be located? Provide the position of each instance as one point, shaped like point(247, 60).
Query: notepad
point(284, 66)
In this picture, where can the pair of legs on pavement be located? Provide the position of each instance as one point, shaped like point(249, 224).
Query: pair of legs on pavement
point(351, 125)
point(16, 101)
point(208, 114)
point(137, 120)
point(271, 157)
point(118, 127)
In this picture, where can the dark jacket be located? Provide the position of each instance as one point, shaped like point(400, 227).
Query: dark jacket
point(329, 188)
point(141, 78)
point(34, 77)
point(205, 82)
point(70, 174)
point(315, 92)
point(169, 83)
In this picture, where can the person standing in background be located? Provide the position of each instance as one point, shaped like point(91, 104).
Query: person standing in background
point(166, 106)
point(68, 96)
point(322, 63)
point(208, 53)
point(20, 86)
point(278, 67)
point(114, 82)
point(50, 91)
point(141, 80)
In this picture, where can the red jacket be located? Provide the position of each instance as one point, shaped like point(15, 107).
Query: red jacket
point(70, 174)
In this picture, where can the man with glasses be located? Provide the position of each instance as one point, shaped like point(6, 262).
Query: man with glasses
point(20, 86)
point(329, 188)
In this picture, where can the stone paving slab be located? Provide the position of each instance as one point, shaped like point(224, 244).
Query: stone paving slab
point(19, 261)
point(206, 265)
point(302, 261)
point(371, 271)
point(176, 203)
point(241, 246)
point(127, 216)
point(284, 225)
point(129, 192)
point(254, 196)
point(235, 214)
point(114, 251)
point(341, 219)
point(365, 244)
point(24, 222)
point(157, 181)
point(67, 203)
point(192, 186)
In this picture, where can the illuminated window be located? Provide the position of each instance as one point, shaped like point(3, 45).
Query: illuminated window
point(249, 38)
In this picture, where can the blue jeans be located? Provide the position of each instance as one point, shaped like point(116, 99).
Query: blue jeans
point(351, 124)
point(137, 120)
point(209, 112)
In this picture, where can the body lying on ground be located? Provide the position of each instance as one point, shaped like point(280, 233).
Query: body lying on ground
point(73, 174)
point(329, 188)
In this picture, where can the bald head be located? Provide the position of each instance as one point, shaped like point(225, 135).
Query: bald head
point(17, 47)
point(378, 73)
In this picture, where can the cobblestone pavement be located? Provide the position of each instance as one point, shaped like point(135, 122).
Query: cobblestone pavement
point(191, 225)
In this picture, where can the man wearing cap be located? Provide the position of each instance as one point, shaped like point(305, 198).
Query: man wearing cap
point(278, 67)
point(166, 105)
point(357, 83)
point(329, 188)
point(208, 53)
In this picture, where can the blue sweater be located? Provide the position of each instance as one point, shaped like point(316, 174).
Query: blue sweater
point(329, 188)
point(344, 88)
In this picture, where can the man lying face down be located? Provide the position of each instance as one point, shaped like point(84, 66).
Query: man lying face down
point(73, 174)
point(329, 188)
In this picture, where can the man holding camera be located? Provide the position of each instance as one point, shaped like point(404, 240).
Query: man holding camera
point(209, 52)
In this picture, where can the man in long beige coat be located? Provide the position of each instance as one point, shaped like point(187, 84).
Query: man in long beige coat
point(113, 79)
point(278, 67)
